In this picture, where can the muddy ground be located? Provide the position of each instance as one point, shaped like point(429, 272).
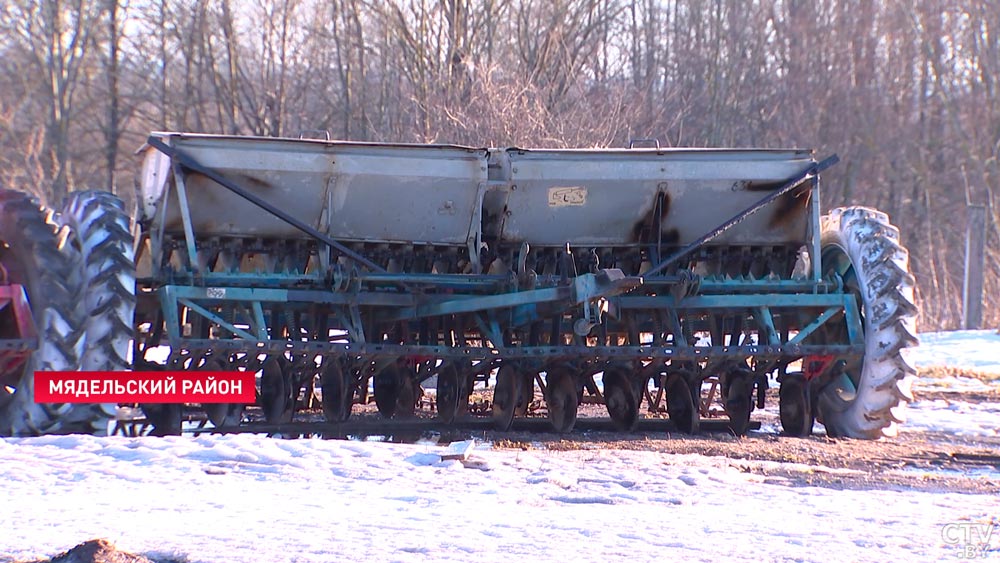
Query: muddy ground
point(914, 460)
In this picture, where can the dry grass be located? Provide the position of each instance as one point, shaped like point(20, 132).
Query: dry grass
point(947, 371)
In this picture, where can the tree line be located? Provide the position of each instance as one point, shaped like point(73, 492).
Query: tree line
point(906, 93)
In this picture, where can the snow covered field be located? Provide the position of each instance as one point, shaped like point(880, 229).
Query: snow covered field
point(969, 349)
point(248, 498)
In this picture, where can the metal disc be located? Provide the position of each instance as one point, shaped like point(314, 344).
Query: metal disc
point(738, 402)
point(386, 389)
point(337, 397)
point(562, 398)
point(681, 405)
point(165, 418)
point(447, 393)
point(506, 397)
point(221, 414)
point(527, 392)
point(620, 398)
point(795, 406)
point(274, 397)
point(409, 393)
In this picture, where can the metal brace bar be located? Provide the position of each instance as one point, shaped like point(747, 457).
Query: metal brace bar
point(217, 319)
point(674, 322)
point(817, 322)
point(486, 329)
point(475, 238)
point(192, 164)
point(815, 225)
point(259, 324)
point(766, 322)
point(168, 304)
point(186, 220)
point(310, 296)
point(584, 288)
point(156, 236)
point(853, 322)
point(543, 353)
point(788, 186)
point(732, 301)
point(358, 326)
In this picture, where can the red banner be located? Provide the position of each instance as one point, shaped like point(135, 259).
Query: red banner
point(144, 387)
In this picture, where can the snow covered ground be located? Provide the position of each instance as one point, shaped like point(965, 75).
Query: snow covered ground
point(968, 349)
point(249, 498)
point(975, 350)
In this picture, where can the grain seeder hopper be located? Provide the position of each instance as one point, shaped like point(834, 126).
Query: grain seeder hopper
point(379, 268)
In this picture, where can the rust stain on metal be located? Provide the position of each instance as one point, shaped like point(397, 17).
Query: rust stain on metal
point(245, 180)
point(790, 206)
point(645, 229)
point(761, 186)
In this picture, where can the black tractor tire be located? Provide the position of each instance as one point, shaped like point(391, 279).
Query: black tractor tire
point(861, 246)
point(95, 225)
point(31, 256)
point(98, 227)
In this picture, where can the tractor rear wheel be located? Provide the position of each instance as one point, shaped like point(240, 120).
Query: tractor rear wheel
point(30, 256)
point(97, 227)
point(861, 247)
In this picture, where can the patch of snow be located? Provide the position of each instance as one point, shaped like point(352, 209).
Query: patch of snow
point(953, 417)
point(248, 498)
point(251, 498)
point(964, 349)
